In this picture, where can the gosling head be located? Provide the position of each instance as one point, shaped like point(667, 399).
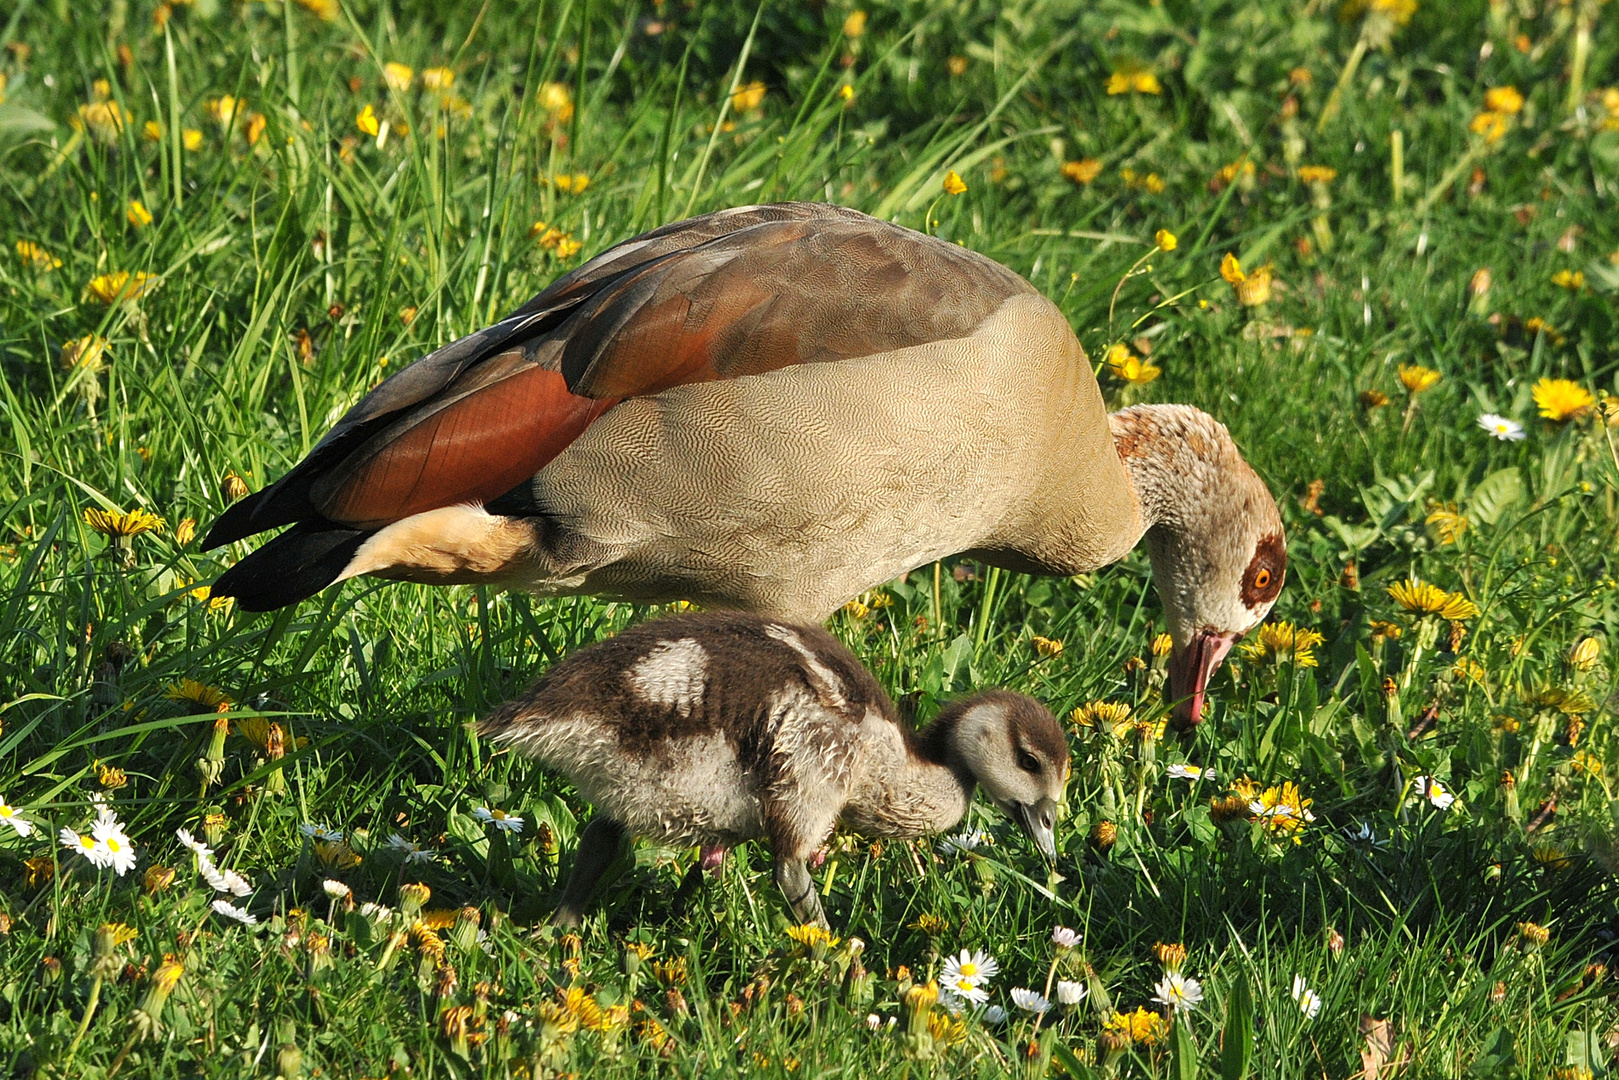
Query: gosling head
point(1011, 745)
point(1214, 537)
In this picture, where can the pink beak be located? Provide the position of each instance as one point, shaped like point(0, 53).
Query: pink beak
point(1189, 671)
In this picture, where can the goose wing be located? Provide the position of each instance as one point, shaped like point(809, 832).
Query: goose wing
point(725, 295)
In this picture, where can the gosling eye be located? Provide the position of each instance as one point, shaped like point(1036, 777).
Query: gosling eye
point(1028, 762)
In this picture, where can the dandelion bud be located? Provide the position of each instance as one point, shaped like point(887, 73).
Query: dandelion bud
point(157, 879)
point(213, 826)
point(1254, 289)
point(1373, 399)
point(465, 931)
point(917, 1005)
point(186, 531)
point(1480, 285)
point(412, 896)
point(1335, 941)
point(50, 971)
point(233, 487)
point(1161, 645)
point(1584, 655)
point(1229, 808)
point(1104, 834)
point(446, 980)
point(453, 1023)
point(1532, 935)
point(1498, 993)
point(1170, 957)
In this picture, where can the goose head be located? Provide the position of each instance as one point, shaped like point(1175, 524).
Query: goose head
point(1012, 747)
point(1214, 538)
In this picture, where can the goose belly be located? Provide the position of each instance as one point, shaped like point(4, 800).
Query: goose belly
point(684, 790)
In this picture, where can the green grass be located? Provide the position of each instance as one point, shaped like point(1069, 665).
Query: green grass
point(284, 271)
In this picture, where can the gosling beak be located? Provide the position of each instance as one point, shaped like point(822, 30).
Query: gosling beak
point(1189, 671)
point(1039, 820)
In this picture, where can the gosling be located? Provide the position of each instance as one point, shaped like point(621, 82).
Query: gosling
point(716, 728)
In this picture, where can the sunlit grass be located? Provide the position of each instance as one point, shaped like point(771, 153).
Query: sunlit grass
point(1379, 243)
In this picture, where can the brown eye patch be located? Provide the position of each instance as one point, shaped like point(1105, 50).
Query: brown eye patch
point(1263, 578)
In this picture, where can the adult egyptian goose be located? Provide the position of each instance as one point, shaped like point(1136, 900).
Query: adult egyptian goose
point(721, 727)
point(771, 408)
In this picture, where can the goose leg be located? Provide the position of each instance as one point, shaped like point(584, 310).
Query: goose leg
point(598, 847)
point(796, 885)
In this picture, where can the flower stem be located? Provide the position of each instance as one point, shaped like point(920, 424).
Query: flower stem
point(84, 1023)
point(1336, 98)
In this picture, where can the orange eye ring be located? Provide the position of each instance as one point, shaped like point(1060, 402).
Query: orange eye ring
point(1262, 579)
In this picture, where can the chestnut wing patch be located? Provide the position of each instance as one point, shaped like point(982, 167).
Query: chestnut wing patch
point(730, 294)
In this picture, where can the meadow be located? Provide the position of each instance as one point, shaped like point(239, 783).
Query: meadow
point(1378, 239)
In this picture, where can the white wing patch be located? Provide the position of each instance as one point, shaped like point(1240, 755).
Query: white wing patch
point(675, 673)
point(831, 687)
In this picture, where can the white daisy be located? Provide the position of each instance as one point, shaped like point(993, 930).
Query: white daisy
point(1501, 427)
point(1434, 790)
point(111, 838)
point(1309, 1001)
point(408, 850)
point(373, 910)
point(874, 1022)
point(1178, 992)
point(335, 889)
point(957, 995)
point(231, 911)
point(993, 1014)
point(1071, 993)
point(499, 819)
point(1064, 938)
point(321, 832)
point(8, 814)
point(964, 976)
point(963, 842)
point(87, 846)
point(223, 880)
point(1029, 1000)
point(197, 847)
point(1189, 772)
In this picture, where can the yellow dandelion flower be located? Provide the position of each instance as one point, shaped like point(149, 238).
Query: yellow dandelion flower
point(1165, 240)
point(104, 120)
point(1536, 325)
point(37, 257)
point(1126, 365)
point(1491, 125)
point(1572, 280)
point(437, 78)
point(747, 98)
point(1104, 834)
point(1416, 379)
point(1317, 174)
point(325, 10)
point(557, 99)
point(1372, 399)
point(1162, 645)
point(191, 139)
point(1142, 1026)
point(152, 131)
point(1047, 647)
point(1561, 400)
point(1449, 523)
point(1281, 641)
point(224, 110)
point(855, 24)
point(118, 523)
point(1083, 171)
point(1503, 99)
point(572, 183)
point(1586, 762)
point(1425, 598)
point(953, 183)
point(1133, 80)
point(931, 925)
point(1110, 716)
point(567, 247)
point(397, 76)
point(810, 935)
point(198, 693)
point(846, 92)
point(366, 121)
point(90, 352)
point(1282, 811)
point(120, 285)
point(1231, 270)
point(1466, 668)
point(137, 214)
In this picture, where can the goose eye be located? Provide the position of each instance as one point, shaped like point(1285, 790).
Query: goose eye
point(1262, 579)
point(1028, 763)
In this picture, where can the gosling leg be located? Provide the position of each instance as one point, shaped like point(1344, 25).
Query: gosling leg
point(796, 885)
point(598, 847)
